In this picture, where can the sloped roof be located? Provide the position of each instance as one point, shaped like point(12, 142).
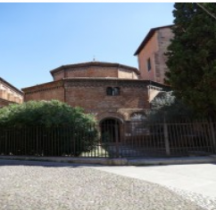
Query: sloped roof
point(95, 63)
point(148, 37)
point(11, 86)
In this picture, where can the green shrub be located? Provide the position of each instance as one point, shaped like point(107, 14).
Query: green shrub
point(46, 128)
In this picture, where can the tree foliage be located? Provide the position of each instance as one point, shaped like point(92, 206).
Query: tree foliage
point(192, 57)
point(48, 128)
point(168, 107)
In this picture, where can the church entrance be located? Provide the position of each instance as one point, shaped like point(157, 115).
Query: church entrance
point(110, 130)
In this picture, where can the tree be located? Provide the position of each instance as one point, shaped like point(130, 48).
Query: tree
point(192, 57)
point(46, 128)
point(167, 107)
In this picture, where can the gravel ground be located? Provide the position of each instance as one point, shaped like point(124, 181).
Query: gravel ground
point(208, 203)
point(26, 187)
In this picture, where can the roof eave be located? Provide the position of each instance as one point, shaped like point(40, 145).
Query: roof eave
point(148, 36)
point(94, 63)
point(10, 85)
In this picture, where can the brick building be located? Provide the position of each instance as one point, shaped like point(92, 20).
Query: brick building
point(113, 92)
point(107, 90)
point(150, 53)
point(9, 94)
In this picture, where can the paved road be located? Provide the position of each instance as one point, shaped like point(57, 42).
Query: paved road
point(196, 182)
point(40, 185)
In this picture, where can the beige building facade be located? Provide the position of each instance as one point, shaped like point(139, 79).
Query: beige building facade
point(9, 93)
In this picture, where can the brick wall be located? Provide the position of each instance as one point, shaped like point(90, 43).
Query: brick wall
point(96, 71)
point(155, 49)
point(127, 74)
point(91, 95)
point(47, 91)
point(164, 37)
point(92, 71)
point(148, 52)
point(58, 75)
point(50, 94)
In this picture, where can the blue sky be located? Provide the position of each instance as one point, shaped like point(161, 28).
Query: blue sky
point(38, 37)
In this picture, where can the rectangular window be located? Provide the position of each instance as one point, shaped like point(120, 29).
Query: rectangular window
point(113, 91)
point(149, 64)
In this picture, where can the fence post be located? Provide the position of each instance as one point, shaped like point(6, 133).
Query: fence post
point(117, 139)
point(166, 138)
point(212, 134)
point(73, 141)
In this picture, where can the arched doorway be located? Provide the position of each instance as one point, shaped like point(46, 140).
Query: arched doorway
point(110, 130)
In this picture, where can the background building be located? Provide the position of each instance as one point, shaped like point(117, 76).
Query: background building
point(9, 94)
point(150, 53)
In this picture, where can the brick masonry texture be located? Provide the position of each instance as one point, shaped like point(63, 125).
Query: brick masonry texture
point(95, 70)
point(86, 87)
point(155, 49)
point(49, 94)
point(92, 96)
point(164, 37)
point(85, 84)
point(47, 91)
point(92, 72)
point(148, 52)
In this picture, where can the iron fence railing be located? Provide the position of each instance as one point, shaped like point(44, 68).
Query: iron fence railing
point(113, 139)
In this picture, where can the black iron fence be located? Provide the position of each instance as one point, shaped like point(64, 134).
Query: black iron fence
point(170, 139)
point(113, 139)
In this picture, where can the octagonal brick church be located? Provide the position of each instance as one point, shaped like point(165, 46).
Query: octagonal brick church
point(112, 92)
point(106, 90)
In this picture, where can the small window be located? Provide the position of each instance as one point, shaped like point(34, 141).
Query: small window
point(113, 91)
point(109, 91)
point(149, 64)
point(116, 91)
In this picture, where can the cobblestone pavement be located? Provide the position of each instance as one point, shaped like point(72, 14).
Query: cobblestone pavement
point(60, 186)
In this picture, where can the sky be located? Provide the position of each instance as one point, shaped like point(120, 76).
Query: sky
point(38, 37)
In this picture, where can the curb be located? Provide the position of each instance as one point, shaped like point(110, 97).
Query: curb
point(100, 161)
point(119, 161)
point(172, 161)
